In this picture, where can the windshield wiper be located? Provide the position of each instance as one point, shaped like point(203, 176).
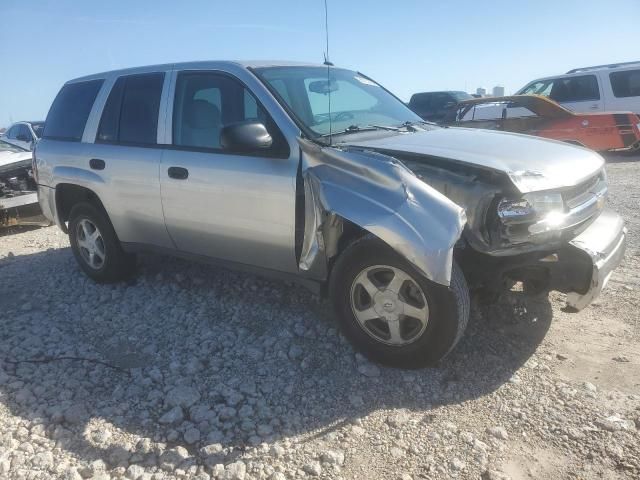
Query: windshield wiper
point(358, 129)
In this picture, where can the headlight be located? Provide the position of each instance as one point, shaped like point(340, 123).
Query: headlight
point(531, 207)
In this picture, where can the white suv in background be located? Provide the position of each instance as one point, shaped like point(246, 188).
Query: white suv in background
point(614, 87)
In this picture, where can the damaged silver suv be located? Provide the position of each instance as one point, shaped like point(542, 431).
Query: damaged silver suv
point(319, 174)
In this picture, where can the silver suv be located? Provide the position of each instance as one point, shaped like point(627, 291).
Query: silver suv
point(319, 174)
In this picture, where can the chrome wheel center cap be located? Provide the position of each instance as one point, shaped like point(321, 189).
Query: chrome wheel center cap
point(386, 304)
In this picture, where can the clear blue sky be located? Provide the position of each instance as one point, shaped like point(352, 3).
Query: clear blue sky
point(408, 46)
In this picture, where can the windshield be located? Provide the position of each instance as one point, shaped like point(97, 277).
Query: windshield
point(356, 101)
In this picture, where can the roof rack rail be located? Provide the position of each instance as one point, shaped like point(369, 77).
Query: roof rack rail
point(609, 65)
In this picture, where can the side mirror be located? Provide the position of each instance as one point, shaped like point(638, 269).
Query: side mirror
point(247, 136)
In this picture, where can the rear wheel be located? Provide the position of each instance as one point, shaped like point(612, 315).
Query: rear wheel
point(391, 312)
point(96, 246)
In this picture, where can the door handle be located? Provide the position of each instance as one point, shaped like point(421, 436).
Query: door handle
point(97, 164)
point(594, 107)
point(178, 173)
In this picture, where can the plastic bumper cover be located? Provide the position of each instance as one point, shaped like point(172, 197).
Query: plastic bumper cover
point(604, 242)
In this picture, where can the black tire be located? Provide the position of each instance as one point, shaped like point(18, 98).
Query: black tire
point(117, 265)
point(448, 307)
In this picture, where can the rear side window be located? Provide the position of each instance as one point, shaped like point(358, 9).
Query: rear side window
point(625, 84)
point(130, 115)
point(70, 109)
point(575, 89)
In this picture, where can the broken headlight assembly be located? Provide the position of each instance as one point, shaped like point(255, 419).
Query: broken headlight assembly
point(543, 209)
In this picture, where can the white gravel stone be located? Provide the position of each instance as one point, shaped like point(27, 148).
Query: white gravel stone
point(234, 471)
point(182, 396)
point(175, 415)
point(333, 457)
point(192, 435)
point(134, 472)
point(369, 370)
point(312, 468)
point(498, 432)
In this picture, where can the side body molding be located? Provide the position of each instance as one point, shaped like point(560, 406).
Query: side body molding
point(380, 195)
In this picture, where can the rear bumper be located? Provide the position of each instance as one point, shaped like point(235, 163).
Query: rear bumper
point(603, 243)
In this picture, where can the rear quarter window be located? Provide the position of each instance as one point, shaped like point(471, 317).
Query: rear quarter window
point(70, 109)
point(625, 84)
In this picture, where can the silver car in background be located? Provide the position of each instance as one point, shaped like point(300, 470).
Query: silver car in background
point(319, 174)
point(23, 134)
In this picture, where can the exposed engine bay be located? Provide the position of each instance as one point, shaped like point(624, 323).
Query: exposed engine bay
point(18, 189)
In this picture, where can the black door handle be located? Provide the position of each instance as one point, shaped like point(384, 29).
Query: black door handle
point(97, 164)
point(178, 173)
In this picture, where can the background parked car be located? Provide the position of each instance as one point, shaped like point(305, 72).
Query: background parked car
point(18, 195)
point(435, 106)
point(23, 134)
point(540, 116)
point(592, 89)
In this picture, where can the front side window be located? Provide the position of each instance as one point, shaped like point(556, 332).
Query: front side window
point(338, 99)
point(206, 102)
point(24, 133)
point(625, 84)
point(130, 115)
point(542, 87)
point(70, 110)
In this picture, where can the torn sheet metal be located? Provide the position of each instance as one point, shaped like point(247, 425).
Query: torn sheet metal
point(382, 196)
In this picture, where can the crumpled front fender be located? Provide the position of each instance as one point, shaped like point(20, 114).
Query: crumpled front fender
point(382, 196)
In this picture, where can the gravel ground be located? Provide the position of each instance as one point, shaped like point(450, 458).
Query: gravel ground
point(196, 372)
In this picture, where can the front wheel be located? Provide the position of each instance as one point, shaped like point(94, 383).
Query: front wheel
point(391, 312)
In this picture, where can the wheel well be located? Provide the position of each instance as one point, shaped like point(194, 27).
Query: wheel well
point(69, 195)
point(347, 233)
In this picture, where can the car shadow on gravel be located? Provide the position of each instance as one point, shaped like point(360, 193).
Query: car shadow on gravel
point(188, 355)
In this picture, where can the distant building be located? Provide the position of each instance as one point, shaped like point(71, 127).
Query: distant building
point(498, 91)
point(481, 91)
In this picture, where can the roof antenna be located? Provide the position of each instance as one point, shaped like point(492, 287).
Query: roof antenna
point(329, 65)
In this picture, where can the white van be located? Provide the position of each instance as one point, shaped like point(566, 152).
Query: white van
point(614, 87)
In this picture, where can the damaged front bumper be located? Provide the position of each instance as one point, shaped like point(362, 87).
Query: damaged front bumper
point(580, 268)
point(603, 245)
point(22, 209)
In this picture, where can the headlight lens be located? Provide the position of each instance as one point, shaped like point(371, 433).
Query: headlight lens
point(531, 207)
point(545, 203)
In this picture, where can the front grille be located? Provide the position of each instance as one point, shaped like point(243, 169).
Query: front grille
point(578, 194)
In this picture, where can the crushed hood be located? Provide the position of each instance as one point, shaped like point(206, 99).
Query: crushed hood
point(532, 163)
point(9, 158)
